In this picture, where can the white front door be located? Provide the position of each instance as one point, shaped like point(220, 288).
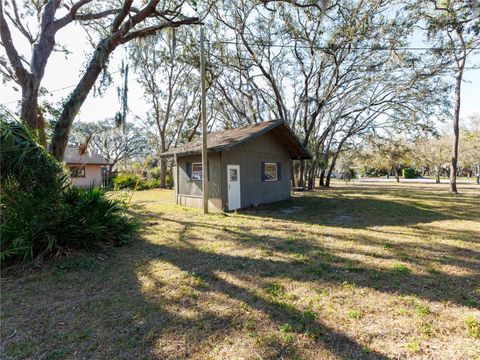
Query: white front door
point(233, 181)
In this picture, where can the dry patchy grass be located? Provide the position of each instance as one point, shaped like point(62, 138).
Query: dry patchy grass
point(361, 271)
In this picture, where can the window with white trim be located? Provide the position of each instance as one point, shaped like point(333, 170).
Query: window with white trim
point(197, 173)
point(270, 172)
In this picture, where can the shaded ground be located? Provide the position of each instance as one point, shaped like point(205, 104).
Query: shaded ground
point(361, 271)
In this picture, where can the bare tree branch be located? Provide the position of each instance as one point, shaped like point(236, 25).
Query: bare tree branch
point(15, 60)
point(18, 23)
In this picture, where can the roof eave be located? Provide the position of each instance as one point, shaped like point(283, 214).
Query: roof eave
point(85, 163)
point(303, 157)
point(188, 153)
point(306, 155)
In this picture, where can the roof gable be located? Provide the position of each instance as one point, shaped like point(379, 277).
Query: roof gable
point(233, 138)
point(72, 156)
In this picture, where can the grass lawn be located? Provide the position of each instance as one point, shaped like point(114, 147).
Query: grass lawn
point(360, 271)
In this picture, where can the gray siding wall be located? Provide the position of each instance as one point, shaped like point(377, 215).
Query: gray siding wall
point(250, 157)
point(194, 187)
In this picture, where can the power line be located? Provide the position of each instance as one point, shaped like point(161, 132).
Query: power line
point(373, 48)
point(317, 48)
point(371, 67)
point(55, 91)
point(359, 48)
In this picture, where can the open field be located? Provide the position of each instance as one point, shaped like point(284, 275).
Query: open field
point(360, 271)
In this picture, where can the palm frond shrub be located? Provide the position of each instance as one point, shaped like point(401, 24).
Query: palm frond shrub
point(91, 217)
point(41, 212)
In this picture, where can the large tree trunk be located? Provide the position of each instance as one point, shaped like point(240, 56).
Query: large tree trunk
point(456, 134)
point(315, 165)
point(397, 173)
point(77, 97)
point(29, 107)
point(30, 113)
point(163, 172)
point(311, 176)
point(437, 175)
point(301, 178)
point(332, 166)
point(30, 80)
point(292, 174)
point(322, 177)
point(326, 153)
point(334, 158)
point(329, 174)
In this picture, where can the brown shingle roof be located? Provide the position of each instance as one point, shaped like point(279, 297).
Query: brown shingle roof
point(232, 138)
point(72, 156)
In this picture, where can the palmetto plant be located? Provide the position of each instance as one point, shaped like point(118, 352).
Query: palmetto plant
point(40, 211)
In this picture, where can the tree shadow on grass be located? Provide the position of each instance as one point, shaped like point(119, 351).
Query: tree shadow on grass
point(207, 266)
point(121, 310)
point(299, 259)
point(132, 307)
point(301, 253)
point(318, 271)
point(408, 206)
point(358, 213)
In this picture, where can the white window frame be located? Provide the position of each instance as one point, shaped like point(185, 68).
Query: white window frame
point(265, 171)
point(197, 178)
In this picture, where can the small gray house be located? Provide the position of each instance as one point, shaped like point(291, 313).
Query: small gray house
point(246, 166)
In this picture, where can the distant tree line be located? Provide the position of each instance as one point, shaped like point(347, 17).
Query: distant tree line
point(427, 155)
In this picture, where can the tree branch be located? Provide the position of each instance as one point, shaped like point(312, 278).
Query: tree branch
point(150, 30)
point(20, 72)
point(121, 15)
point(18, 23)
point(44, 46)
point(72, 14)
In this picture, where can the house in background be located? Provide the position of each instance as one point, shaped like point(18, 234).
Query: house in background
point(85, 170)
point(247, 166)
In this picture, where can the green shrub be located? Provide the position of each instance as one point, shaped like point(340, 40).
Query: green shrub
point(148, 184)
point(125, 181)
point(41, 211)
point(409, 173)
point(90, 218)
point(129, 181)
point(168, 180)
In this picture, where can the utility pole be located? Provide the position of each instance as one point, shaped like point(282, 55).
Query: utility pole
point(204, 123)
